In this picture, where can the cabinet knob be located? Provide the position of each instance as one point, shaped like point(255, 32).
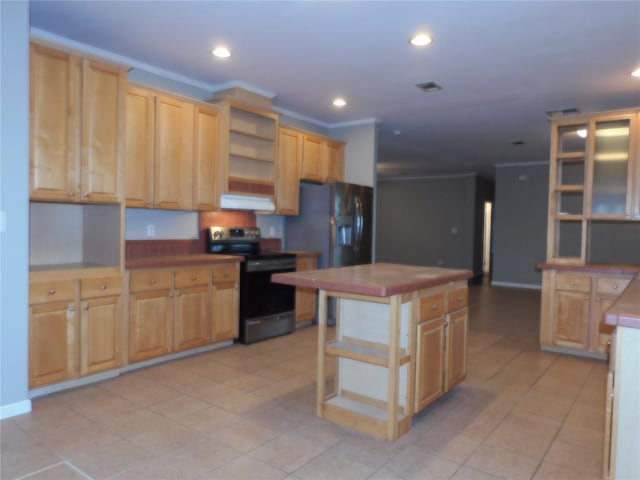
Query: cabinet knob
point(85, 194)
point(170, 295)
point(446, 323)
point(153, 282)
point(597, 299)
point(572, 283)
point(72, 194)
point(637, 213)
point(434, 307)
point(586, 297)
point(72, 308)
point(194, 278)
point(103, 287)
point(52, 291)
point(627, 214)
point(148, 204)
point(614, 286)
point(85, 307)
point(609, 342)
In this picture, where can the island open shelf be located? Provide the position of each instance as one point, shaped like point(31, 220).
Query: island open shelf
point(400, 342)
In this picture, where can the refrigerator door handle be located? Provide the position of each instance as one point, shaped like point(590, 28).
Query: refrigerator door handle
point(359, 221)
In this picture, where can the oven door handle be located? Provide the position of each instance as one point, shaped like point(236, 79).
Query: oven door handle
point(254, 322)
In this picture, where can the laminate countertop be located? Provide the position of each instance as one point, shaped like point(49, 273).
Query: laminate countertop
point(377, 280)
point(626, 311)
point(194, 259)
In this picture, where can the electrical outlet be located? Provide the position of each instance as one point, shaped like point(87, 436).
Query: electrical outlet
point(151, 230)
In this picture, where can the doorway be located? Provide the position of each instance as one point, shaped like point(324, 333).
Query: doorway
point(486, 239)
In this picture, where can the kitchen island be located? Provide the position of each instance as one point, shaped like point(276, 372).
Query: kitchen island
point(399, 344)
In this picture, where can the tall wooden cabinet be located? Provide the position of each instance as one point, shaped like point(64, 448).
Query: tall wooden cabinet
point(288, 178)
point(77, 128)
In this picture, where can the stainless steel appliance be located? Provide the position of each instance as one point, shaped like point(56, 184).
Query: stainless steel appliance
point(336, 219)
point(266, 309)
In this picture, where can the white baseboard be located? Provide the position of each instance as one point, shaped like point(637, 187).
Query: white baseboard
point(13, 409)
point(529, 286)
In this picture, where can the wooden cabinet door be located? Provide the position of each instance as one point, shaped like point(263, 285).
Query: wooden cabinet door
point(140, 140)
point(100, 340)
point(571, 319)
point(193, 318)
point(288, 177)
point(312, 154)
point(306, 298)
point(173, 154)
point(334, 162)
point(151, 324)
point(429, 362)
point(205, 158)
point(226, 306)
point(52, 343)
point(456, 369)
point(600, 331)
point(55, 125)
point(103, 110)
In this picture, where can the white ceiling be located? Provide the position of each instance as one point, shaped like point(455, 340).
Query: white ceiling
point(502, 65)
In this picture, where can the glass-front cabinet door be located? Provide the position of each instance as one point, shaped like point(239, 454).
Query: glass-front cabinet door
point(612, 167)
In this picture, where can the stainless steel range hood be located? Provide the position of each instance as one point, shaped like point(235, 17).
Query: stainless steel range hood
point(247, 202)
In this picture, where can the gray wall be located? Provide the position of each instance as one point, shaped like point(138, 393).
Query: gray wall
point(427, 221)
point(520, 224)
point(14, 203)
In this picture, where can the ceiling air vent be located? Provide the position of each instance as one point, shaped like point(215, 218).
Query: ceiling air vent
point(429, 86)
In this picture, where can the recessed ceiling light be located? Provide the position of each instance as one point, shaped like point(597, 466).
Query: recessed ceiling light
point(339, 102)
point(221, 52)
point(420, 40)
point(636, 73)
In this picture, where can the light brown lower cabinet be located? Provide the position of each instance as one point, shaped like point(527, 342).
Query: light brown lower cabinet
point(441, 346)
point(176, 309)
point(74, 328)
point(306, 298)
point(573, 307)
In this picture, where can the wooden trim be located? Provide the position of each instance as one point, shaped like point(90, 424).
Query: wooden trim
point(322, 338)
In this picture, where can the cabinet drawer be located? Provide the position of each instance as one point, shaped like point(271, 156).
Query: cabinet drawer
point(100, 287)
point(571, 282)
point(150, 280)
point(611, 285)
point(52, 291)
point(192, 276)
point(225, 273)
point(457, 299)
point(431, 307)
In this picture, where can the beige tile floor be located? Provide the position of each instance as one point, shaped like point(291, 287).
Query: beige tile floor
point(247, 412)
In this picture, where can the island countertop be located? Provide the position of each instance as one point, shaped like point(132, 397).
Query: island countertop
point(378, 279)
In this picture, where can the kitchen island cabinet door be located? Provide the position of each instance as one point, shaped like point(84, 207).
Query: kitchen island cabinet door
point(52, 343)
point(288, 177)
point(193, 318)
point(457, 326)
point(206, 158)
point(103, 110)
point(429, 362)
point(226, 309)
point(54, 125)
point(100, 334)
point(140, 140)
point(173, 169)
point(151, 324)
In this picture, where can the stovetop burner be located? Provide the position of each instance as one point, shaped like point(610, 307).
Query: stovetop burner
point(243, 241)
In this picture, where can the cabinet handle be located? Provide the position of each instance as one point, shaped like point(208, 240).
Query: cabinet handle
point(52, 291)
point(194, 278)
point(152, 282)
point(586, 297)
point(572, 283)
point(72, 194)
point(434, 307)
point(72, 308)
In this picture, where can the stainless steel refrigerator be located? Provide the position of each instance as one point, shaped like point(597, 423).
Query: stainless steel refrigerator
point(336, 220)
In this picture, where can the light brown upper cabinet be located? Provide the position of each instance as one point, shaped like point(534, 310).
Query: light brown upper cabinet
point(172, 152)
point(594, 175)
point(322, 159)
point(288, 178)
point(77, 128)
